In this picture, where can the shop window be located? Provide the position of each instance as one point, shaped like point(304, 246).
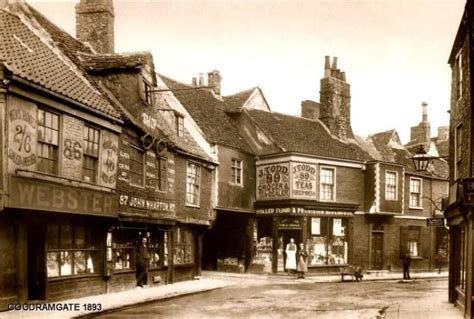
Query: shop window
point(327, 184)
point(124, 246)
point(71, 250)
point(183, 246)
point(136, 167)
point(327, 243)
point(410, 241)
point(463, 258)
point(90, 162)
point(193, 181)
point(48, 142)
point(236, 171)
point(415, 192)
point(391, 185)
point(157, 249)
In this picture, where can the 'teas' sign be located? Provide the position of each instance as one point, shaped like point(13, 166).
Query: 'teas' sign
point(468, 191)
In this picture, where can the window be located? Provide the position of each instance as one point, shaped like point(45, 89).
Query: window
point(327, 185)
point(391, 185)
point(415, 192)
point(124, 245)
point(157, 177)
point(236, 171)
point(327, 243)
point(179, 125)
point(72, 250)
point(193, 180)
point(48, 142)
point(458, 73)
point(458, 152)
point(183, 246)
point(410, 240)
point(147, 93)
point(90, 162)
point(136, 167)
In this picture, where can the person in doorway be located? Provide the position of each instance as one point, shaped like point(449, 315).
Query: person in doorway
point(291, 256)
point(302, 261)
point(406, 261)
point(143, 258)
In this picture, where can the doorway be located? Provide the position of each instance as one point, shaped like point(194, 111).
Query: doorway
point(36, 260)
point(377, 250)
point(284, 236)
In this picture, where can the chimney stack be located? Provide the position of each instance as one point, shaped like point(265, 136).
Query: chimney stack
point(95, 24)
point(421, 134)
point(214, 79)
point(201, 79)
point(194, 81)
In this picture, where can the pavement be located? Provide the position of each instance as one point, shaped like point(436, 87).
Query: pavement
point(210, 280)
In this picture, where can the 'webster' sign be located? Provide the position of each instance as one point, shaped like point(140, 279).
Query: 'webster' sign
point(41, 195)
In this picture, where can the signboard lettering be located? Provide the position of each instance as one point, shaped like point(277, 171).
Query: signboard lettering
point(304, 180)
point(301, 211)
point(435, 222)
point(142, 203)
point(273, 181)
point(109, 159)
point(46, 196)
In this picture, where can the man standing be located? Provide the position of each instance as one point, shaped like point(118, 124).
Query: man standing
point(406, 261)
point(143, 258)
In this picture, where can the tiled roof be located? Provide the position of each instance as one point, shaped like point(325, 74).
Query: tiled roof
point(30, 48)
point(296, 134)
point(99, 62)
point(209, 113)
point(235, 102)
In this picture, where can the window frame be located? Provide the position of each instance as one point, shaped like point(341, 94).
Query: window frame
point(333, 169)
point(237, 172)
point(459, 75)
point(40, 142)
point(143, 153)
point(458, 134)
point(162, 174)
point(96, 158)
point(405, 236)
point(420, 180)
point(147, 94)
point(197, 176)
point(387, 172)
point(179, 123)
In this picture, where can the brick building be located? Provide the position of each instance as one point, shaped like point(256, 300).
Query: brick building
point(458, 211)
point(90, 164)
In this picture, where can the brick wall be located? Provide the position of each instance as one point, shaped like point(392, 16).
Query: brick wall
point(350, 186)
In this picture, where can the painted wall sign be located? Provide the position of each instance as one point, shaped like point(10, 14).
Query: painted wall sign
point(303, 180)
point(109, 159)
point(273, 181)
point(300, 211)
point(39, 195)
point(151, 205)
point(72, 150)
point(22, 123)
point(124, 163)
point(290, 223)
point(149, 121)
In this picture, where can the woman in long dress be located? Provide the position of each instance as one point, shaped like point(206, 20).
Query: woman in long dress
point(302, 257)
point(290, 256)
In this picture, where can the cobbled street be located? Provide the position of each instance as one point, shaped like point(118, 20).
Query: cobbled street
point(288, 298)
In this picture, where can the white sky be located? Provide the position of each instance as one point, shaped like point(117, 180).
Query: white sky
point(394, 53)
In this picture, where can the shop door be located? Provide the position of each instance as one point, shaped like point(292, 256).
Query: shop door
point(284, 239)
point(377, 251)
point(36, 255)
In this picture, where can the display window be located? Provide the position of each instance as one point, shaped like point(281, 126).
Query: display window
point(71, 250)
point(327, 241)
point(183, 246)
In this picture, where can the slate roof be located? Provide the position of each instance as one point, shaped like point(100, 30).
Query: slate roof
point(301, 135)
point(209, 113)
point(37, 51)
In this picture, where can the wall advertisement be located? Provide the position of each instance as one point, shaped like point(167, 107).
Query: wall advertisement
point(273, 181)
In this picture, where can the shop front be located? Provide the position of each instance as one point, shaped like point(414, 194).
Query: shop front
point(324, 232)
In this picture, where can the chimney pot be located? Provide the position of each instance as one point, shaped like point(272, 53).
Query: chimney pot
point(334, 63)
point(201, 79)
point(194, 81)
point(343, 76)
point(214, 79)
point(327, 66)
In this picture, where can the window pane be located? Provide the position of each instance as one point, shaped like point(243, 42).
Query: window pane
point(53, 237)
point(79, 262)
point(66, 263)
point(66, 236)
point(52, 264)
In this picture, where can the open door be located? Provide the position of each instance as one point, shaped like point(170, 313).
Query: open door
point(36, 255)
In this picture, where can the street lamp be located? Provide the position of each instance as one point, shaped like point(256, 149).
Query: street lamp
point(421, 159)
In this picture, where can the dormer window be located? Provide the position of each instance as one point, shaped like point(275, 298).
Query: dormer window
point(146, 92)
point(179, 125)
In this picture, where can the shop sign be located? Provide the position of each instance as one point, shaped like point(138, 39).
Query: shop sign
point(290, 223)
point(146, 204)
point(468, 191)
point(273, 181)
point(109, 159)
point(435, 222)
point(39, 195)
point(303, 180)
point(300, 211)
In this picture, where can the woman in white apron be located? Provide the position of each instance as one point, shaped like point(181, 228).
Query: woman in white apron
point(290, 251)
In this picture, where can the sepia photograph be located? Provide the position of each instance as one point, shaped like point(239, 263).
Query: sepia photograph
point(236, 159)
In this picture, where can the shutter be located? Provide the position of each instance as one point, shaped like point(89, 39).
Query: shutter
point(425, 242)
point(403, 240)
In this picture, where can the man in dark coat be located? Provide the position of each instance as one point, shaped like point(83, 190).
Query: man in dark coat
point(406, 261)
point(143, 260)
